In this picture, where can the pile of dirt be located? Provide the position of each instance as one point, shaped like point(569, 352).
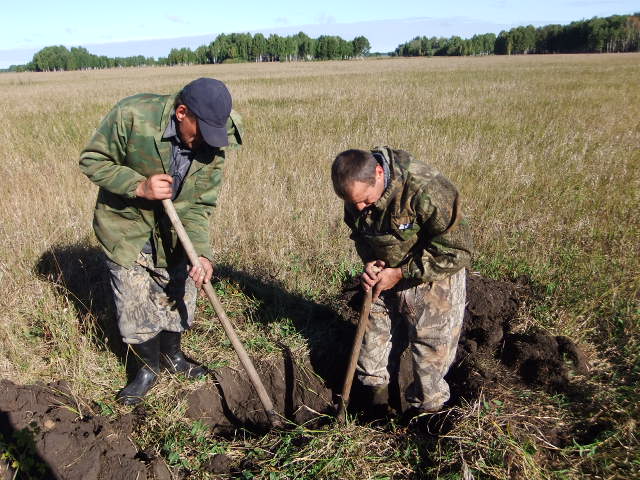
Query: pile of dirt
point(537, 359)
point(48, 434)
point(304, 388)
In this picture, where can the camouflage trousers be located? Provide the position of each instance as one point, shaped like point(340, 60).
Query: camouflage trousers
point(432, 313)
point(150, 299)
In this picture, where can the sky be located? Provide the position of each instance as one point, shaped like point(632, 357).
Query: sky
point(124, 28)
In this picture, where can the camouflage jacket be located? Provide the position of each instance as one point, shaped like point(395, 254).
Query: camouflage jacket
point(128, 147)
point(416, 224)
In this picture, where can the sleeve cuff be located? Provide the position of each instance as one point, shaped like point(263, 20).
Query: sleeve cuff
point(131, 191)
point(407, 272)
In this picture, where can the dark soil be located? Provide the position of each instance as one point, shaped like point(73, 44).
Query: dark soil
point(52, 436)
point(488, 352)
point(296, 392)
point(538, 359)
point(63, 443)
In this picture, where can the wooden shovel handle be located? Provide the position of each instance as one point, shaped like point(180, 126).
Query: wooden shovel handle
point(355, 353)
point(222, 316)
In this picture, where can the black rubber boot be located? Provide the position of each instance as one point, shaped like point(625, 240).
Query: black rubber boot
point(148, 357)
point(377, 402)
point(173, 359)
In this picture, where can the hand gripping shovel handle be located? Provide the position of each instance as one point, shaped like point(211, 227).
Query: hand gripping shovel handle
point(222, 316)
point(355, 353)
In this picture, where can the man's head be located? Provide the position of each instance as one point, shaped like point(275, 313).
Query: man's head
point(202, 110)
point(357, 178)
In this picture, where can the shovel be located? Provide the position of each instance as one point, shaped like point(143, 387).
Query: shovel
point(355, 353)
point(274, 420)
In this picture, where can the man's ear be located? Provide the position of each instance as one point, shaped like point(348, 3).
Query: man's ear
point(181, 112)
point(379, 171)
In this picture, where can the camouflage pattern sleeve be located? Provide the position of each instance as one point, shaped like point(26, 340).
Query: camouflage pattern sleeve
point(362, 248)
point(196, 223)
point(445, 244)
point(102, 160)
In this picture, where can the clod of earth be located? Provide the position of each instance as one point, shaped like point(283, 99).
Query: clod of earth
point(73, 445)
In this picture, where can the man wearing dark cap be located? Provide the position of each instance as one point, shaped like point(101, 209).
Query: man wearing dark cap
point(148, 148)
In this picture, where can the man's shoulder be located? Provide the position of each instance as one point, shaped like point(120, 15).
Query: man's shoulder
point(145, 113)
point(144, 104)
point(421, 181)
point(142, 99)
point(407, 167)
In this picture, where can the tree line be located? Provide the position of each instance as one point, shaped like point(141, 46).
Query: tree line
point(617, 33)
point(244, 47)
point(234, 47)
point(58, 57)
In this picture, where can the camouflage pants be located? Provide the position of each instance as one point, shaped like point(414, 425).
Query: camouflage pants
point(433, 315)
point(150, 299)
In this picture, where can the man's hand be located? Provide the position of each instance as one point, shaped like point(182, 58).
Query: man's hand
point(370, 276)
point(156, 187)
point(379, 278)
point(387, 278)
point(203, 274)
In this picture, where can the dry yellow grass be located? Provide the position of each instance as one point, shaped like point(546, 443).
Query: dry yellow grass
point(545, 149)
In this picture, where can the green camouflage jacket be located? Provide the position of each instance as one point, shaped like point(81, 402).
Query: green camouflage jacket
point(128, 147)
point(416, 224)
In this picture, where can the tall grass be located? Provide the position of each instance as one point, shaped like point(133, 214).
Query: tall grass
point(545, 150)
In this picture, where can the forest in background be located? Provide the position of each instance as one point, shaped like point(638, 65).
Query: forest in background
point(616, 33)
point(231, 48)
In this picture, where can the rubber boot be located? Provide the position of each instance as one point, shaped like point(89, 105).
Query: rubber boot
point(378, 402)
point(173, 359)
point(148, 357)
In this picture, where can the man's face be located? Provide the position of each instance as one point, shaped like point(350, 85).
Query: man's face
point(362, 195)
point(188, 128)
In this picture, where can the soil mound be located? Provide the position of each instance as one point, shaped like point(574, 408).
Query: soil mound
point(50, 435)
point(536, 358)
point(488, 351)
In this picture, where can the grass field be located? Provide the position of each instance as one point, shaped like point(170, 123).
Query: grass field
point(546, 153)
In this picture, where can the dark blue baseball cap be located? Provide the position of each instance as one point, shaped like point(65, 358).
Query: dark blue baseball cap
point(210, 101)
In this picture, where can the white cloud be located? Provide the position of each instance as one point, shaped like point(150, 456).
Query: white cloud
point(325, 18)
point(177, 19)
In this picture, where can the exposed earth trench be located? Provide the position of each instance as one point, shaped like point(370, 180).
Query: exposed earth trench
point(69, 441)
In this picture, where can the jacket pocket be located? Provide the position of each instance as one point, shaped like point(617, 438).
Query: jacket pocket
point(207, 184)
point(404, 227)
point(118, 205)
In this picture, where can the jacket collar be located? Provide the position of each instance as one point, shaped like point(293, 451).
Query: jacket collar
point(396, 181)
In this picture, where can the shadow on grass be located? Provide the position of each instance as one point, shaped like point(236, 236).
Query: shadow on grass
point(328, 328)
point(79, 273)
point(327, 333)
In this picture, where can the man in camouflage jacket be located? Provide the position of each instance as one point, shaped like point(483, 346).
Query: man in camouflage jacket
point(410, 233)
point(148, 148)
